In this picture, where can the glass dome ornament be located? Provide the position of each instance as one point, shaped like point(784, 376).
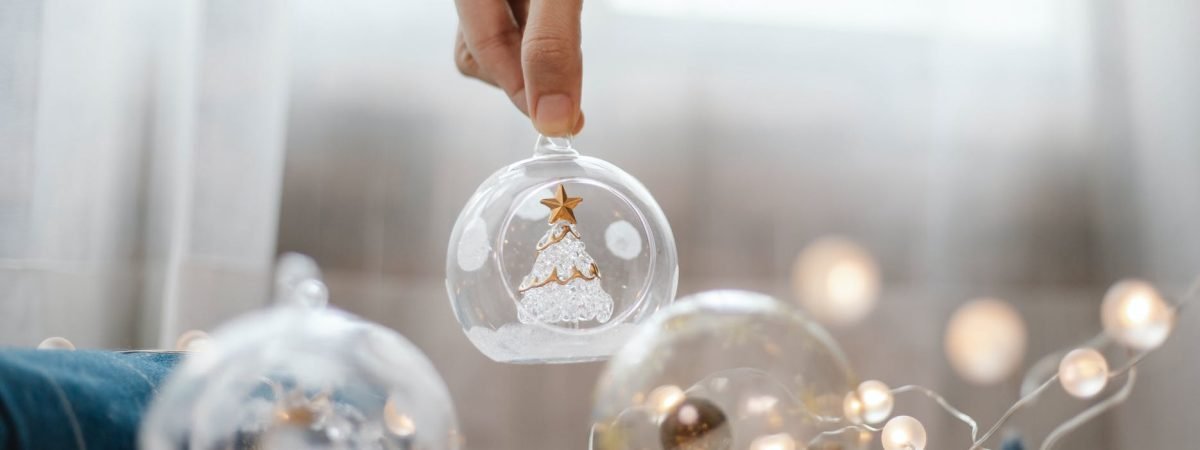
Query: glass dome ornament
point(557, 258)
point(296, 377)
point(725, 370)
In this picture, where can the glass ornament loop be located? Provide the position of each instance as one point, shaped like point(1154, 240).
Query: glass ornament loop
point(555, 258)
point(554, 145)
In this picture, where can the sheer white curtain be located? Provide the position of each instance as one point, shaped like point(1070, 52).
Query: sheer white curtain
point(141, 149)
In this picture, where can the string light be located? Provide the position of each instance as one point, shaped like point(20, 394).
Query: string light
point(781, 441)
point(397, 423)
point(985, 341)
point(903, 433)
point(836, 280)
point(1083, 372)
point(664, 398)
point(852, 408)
point(876, 400)
point(1135, 315)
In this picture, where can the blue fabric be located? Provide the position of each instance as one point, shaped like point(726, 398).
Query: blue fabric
point(57, 399)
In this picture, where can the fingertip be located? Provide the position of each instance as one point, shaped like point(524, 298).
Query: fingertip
point(555, 115)
point(578, 124)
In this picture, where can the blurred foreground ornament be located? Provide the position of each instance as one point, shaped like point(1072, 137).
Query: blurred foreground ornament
point(836, 280)
point(527, 294)
point(292, 377)
point(985, 341)
point(1135, 315)
point(741, 359)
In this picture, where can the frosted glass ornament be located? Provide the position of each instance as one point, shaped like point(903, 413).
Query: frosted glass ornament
point(295, 378)
point(761, 374)
point(556, 258)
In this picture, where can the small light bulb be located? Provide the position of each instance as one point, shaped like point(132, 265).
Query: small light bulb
point(836, 280)
point(903, 433)
point(397, 422)
point(192, 341)
point(852, 408)
point(985, 341)
point(56, 343)
point(781, 441)
point(1134, 314)
point(1083, 372)
point(877, 401)
point(663, 398)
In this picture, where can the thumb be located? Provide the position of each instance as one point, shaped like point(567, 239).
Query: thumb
point(553, 65)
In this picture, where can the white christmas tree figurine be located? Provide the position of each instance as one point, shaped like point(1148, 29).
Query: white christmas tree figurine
point(564, 285)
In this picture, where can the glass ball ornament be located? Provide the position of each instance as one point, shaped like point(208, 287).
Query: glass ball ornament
point(1135, 315)
point(557, 258)
point(985, 341)
point(903, 433)
point(292, 377)
point(836, 280)
point(1083, 372)
point(755, 371)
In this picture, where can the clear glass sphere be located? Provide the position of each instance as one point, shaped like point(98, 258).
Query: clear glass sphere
point(724, 370)
point(299, 378)
point(557, 257)
point(1134, 314)
point(1083, 372)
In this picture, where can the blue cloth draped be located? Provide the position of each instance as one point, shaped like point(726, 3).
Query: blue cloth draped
point(57, 399)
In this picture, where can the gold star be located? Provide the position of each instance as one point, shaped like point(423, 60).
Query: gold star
point(560, 206)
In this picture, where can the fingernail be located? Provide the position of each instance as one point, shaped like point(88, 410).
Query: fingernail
point(553, 115)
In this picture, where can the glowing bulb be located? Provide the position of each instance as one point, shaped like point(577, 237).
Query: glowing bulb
point(836, 280)
point(192, 341)
point(852, 408)
point(56, 343)
point(903, 433)
point(1135, 315)
point(663, 398)
point(985, 341)
point(397, 423)
point(781, 441)
point(876, 399)
point(1083, 372)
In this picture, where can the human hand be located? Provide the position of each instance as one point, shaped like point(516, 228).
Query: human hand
point(530, 49)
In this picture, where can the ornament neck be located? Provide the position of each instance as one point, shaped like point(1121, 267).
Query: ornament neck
point(554, 146)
